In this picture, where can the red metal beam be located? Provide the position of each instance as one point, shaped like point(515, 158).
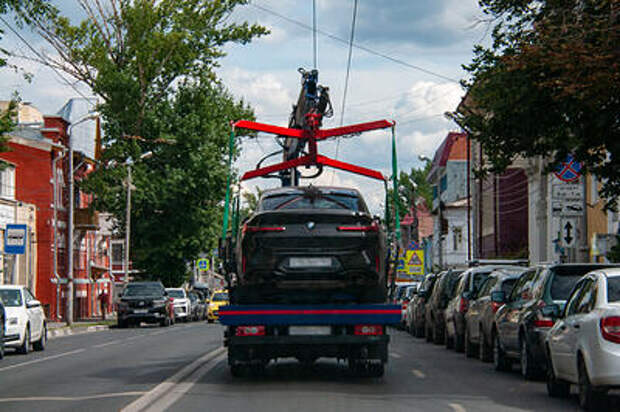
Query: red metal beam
point(354, 128)
point(268, 128)
point(300, 161)
point(348, 167)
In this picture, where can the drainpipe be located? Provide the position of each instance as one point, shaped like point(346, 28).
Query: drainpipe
point(60, 155)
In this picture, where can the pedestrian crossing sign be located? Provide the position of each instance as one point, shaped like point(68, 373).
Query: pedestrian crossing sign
point(203, 264)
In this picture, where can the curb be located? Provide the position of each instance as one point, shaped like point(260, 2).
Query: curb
point(66, 331)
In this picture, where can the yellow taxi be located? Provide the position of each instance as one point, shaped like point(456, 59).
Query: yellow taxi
point(219, 298)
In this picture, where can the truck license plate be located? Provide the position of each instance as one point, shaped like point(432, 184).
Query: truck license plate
point(311, 262)
point(309, 330)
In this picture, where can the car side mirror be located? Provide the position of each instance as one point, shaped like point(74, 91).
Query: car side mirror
point(33, 304)
point(499, 296)
point(467, 295)
point(165, 293)
point(551, 311)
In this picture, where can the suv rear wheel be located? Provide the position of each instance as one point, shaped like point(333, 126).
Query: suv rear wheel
point(500, 361)
point(484, 350)
point(24, 349)
point(528, 365)
point(590, 399)
point(556, 388)
point(40, 344)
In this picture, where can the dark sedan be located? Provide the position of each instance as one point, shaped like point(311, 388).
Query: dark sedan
point(480, 316)
point(144, 302)
point(522, 323)
point(442, 293)
point(419, 305)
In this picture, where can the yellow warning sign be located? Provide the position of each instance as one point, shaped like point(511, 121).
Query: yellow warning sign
point(413, 267)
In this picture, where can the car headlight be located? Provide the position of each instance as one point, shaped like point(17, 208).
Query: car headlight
point(123, 306)
point(12, 321)
point(159, 302)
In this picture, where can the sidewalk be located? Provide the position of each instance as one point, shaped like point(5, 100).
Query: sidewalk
point(59, 329)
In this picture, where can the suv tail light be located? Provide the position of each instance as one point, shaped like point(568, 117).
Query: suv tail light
point(374, 227)
point(405, 303)
point(543, 323)
point(253, 229)
point(610, 328)
point(368, 330)
point(495, 306)
point(463, 305)
point(250, 331)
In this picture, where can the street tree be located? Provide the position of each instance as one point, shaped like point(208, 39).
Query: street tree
point(152, 64)
point(548, 85)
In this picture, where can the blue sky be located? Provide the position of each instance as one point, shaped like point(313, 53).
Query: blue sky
point(435, 35)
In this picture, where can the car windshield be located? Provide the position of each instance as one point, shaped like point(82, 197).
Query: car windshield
point(143, 290)
point(613, 289)
point(11, 297)
point(507, 285)
point(220, 297)
point(322, 201)
point(561, 286)
point(176, 294)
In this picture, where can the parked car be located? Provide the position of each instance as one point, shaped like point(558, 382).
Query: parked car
point(467, 287)
point(480, 316)
point(409, 294)
point(2, 322)
point(144, 302)
point(25, 325)
point(522, 323)
point(219, 298)
point(418, 305)
point(583, 347)
point(181, 302)
point(198, 306)
point(442, 293)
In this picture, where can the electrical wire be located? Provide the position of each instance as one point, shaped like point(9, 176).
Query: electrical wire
point(346, 80)
point(357, 46)
point(314, 33)
point(42, 58)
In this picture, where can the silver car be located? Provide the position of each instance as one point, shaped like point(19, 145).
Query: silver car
point(583, 347)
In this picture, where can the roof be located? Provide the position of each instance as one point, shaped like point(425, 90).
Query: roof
point(27, 132)
point(611, 272)
point(450, 149)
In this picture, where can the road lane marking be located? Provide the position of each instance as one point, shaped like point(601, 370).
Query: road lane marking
point(60, 355)
point(72, 398)
point(395, 355)
point(167, 390)
point(457, 407)
point(112, 342)
point(418, 373)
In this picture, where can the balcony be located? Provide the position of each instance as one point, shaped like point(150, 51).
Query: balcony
point(86, 219)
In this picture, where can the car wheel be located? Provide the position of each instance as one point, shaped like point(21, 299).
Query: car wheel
point(439, 336)
point(485, 352)
point(470, 348)
point(429, 334)
point(590, 399)
point(25, 346)
point(40, 344)
point(556, 388)
point(1, 338)
point(237, 370)
point(528, 366)
point(459, 341)
point(121, 324)
point(209, 320)
point(500, 361)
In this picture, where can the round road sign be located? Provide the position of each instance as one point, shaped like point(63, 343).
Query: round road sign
point(569, 170)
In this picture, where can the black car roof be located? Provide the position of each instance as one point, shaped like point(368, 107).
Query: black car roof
point(323, 189)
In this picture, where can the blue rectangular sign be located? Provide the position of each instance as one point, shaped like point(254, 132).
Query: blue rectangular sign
point(15, 239)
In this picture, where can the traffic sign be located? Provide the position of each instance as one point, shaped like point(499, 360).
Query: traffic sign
point(568, 235)
point(568, 170)
point(567, 208)
point(15, 239)
point(203, 264)
point(567, 191)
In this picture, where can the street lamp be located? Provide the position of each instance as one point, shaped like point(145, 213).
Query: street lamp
point(90, 116)
point(129, 162)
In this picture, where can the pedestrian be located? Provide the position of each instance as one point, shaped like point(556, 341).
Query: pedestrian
point(103, 298)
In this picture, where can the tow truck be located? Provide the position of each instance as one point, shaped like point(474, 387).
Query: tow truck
point(307, 273)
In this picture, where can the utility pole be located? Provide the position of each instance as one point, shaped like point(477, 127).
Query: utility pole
point(70, 239)
point(127, 225)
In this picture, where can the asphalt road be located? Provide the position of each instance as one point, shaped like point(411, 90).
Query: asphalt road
point(184, 368)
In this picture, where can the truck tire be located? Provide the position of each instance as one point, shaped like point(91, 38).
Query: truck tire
point(237, 370)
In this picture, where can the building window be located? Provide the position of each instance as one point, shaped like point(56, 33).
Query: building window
point(457, 237)
point(7, 182)
point(443, 183)
point(435, 192)
point(117, 253)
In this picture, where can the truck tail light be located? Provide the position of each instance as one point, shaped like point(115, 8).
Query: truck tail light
point(250, 331)
point(463, 305)
point(405, 303)
point(368, 330)
point(371, 228)
point(254, 229)
point(543, 323)
point(610, 328)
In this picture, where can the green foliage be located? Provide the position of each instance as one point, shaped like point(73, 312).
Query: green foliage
point(614, 253)
point(250, 200)
point(152, 64)
point(549, 85)
point(422, 191)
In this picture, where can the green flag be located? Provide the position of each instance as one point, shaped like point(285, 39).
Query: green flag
point(395, 186)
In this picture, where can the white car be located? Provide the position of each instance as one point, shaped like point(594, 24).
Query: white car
point(583, 347)
point(26, 325)
point(182, 304)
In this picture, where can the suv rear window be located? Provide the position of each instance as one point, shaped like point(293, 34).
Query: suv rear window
point(613, 289)
point(288, 201)
point(561, 286)
point(507, 285)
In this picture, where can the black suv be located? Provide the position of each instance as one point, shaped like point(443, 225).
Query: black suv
point(528, 313)
point(434, 315)
point(144, 302)
point(419, 305)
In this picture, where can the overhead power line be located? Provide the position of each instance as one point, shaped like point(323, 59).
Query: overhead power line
point(357, 46)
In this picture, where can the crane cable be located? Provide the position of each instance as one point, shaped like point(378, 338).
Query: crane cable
point(346, 80)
